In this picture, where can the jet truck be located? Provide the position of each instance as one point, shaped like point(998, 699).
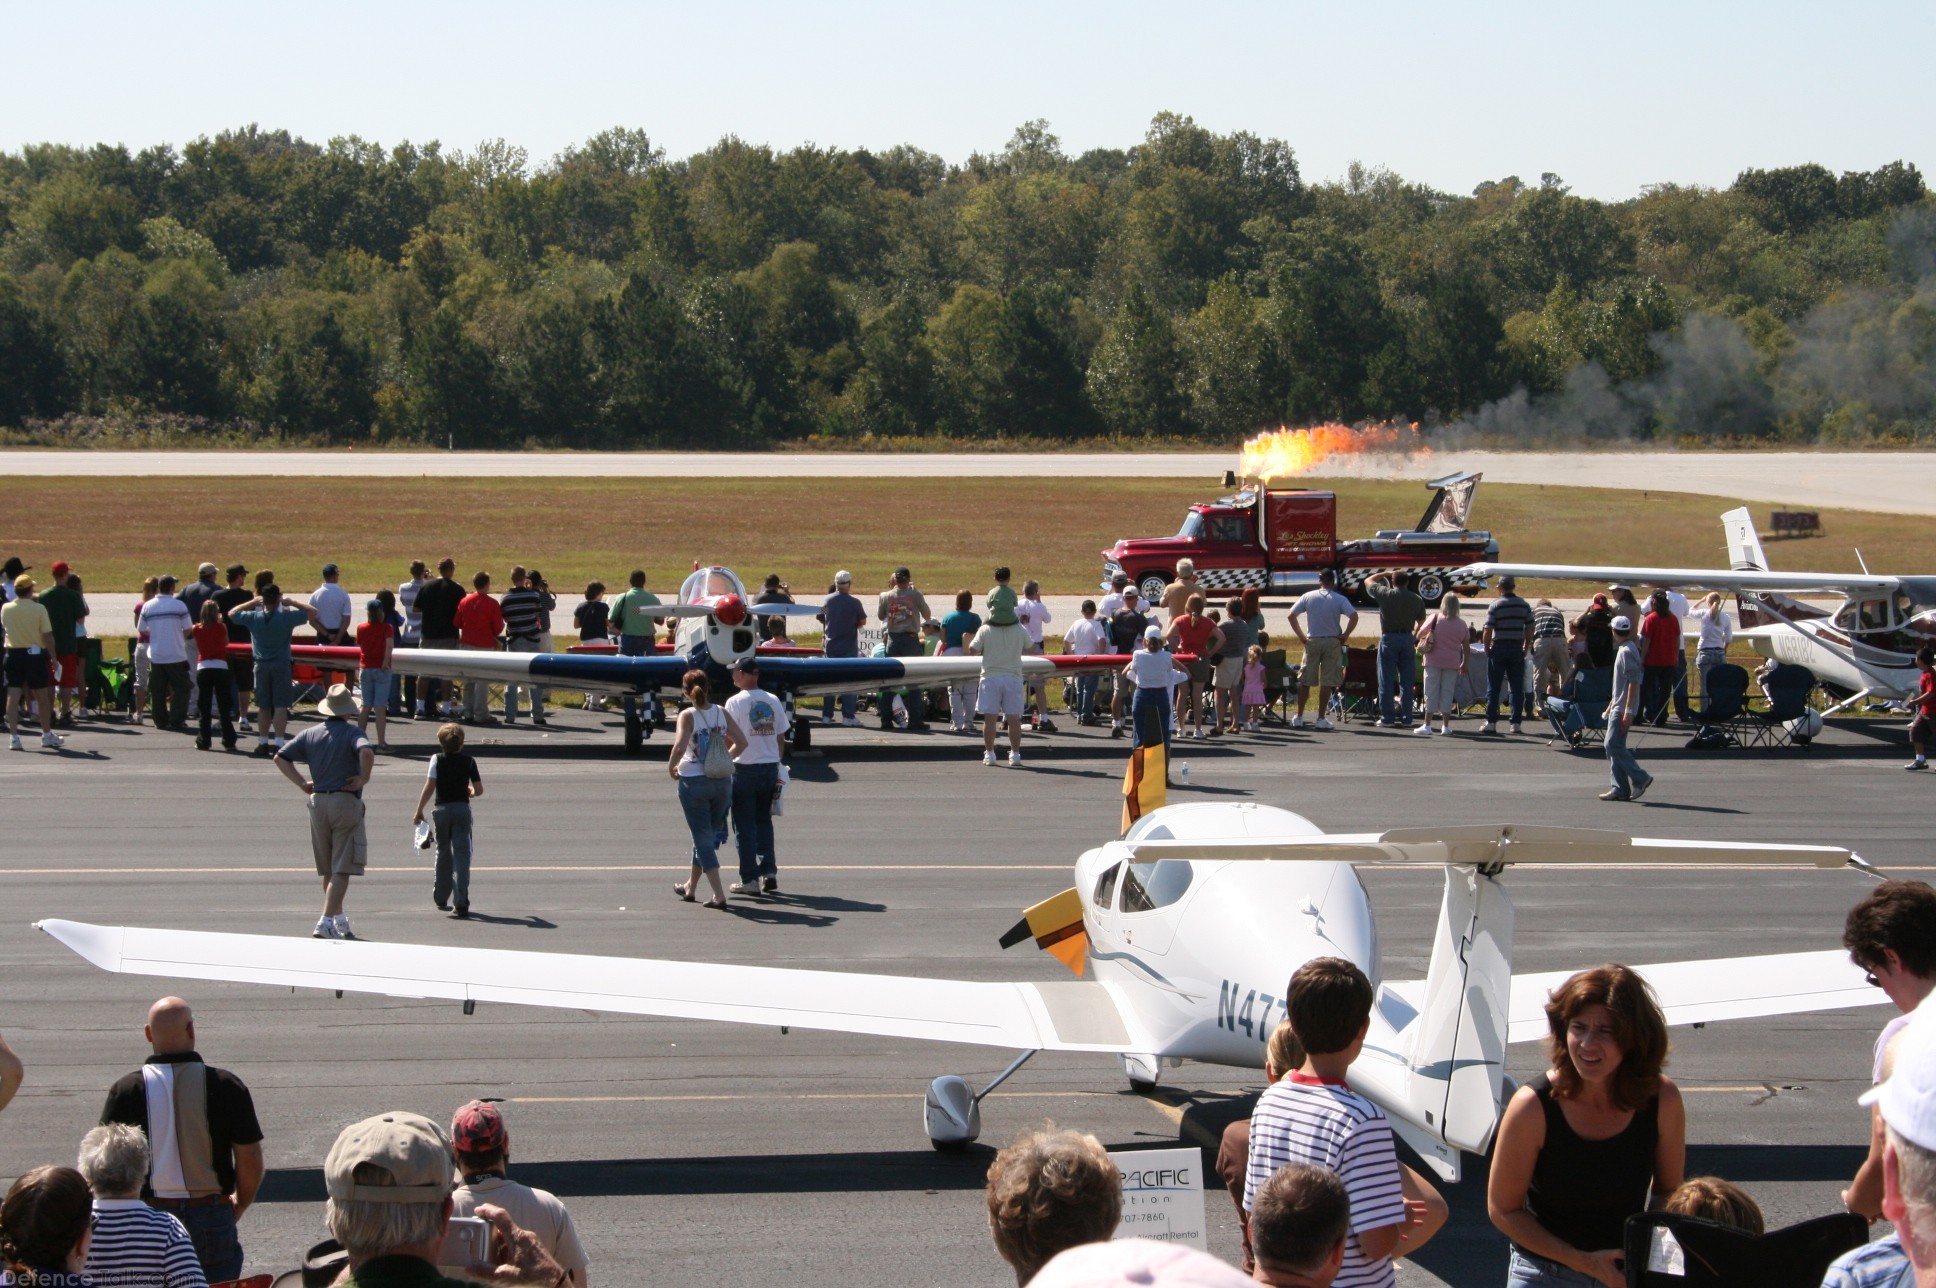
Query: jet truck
point(1278, 539)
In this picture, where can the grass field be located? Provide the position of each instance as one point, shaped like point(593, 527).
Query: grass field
point(951, 532)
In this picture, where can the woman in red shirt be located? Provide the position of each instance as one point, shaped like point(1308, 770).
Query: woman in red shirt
point(1661, 659)
point(212, 674)
point(1195, 634)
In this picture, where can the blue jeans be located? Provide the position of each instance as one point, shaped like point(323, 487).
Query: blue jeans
point(1149, 716)
point(707, 802)
point(1505, 669)
point(849, 702)
point(1527, 1271)
point(1397, 675)
point(212, 1230)
point(1086, 695)
point(638, 646)
point(1621, 765)
point(755, 787)
point(453, 824)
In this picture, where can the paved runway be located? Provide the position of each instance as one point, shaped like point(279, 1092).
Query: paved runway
point(717, 1154)
point(1892, 482)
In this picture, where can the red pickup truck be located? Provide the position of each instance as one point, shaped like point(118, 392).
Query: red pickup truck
point(1279, 539)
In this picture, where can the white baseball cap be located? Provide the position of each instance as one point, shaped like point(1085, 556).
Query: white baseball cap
point(1136, 1263)
point(1623, 624)
point(843, 578)
point(1152, 632)
point(1907, 1098)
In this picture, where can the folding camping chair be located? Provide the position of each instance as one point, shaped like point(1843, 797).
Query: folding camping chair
point(1724, 700)
point(1784, 721)
point(1358, 695)
point(1280, 686)
point(1580, 718)
point(1668, 1251)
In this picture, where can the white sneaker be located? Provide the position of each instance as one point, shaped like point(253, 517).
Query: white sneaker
point(342, 928)
point(1297, 721)
point(988, 758)
point(50, 739)
point(1423, 731)
point(851, 722)
point(325, 929)
point(1014, 760)
point(13, 742)
point(1488, 727)
point(1322, 725)
point(1515, 727)
point(242, 726)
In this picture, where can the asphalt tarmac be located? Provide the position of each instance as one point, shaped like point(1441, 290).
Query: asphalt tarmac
point(1891, 482)
point(716, 1154)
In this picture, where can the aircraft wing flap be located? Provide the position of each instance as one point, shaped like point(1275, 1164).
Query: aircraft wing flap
point(1727, 579)
point(1021, 1016)
point(816, 677)
point(1487, 844)
point(1726, 988)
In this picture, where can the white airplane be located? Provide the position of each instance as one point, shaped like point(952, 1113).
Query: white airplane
point(1863, 648)
point(1192, 923)
point(714, 629)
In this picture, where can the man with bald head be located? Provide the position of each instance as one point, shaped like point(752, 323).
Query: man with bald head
point(205, 1144)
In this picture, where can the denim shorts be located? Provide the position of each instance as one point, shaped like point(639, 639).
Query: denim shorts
point(376, 687)
point(1528, 1271)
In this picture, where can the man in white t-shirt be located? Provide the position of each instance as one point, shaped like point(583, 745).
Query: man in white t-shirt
point(332, 605)
point(756, 778)
point(1001, 649)
point(168, 625)
point(1033, 614)
point(1330, 619)
point(1086, 638)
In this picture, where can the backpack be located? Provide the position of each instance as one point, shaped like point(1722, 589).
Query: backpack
point(717, 759)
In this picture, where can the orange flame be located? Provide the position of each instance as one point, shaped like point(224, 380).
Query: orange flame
point(1291, 453)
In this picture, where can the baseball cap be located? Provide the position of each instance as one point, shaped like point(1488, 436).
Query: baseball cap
point(749, 665)
point(1623, 623)
point(374, 603)
point(329, 568)
point(1600, 600)
point(1509, 583)
point(1152, 632)
point(478, 1128)
point(206, 570)
point(1617, 586)
point(1907, 1098)
point(1132, 1263)
point(410, 1149)
point(902, 574)
point(60, 568)
point(843, 578)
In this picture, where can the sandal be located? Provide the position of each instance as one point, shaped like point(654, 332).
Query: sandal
point(680, 890)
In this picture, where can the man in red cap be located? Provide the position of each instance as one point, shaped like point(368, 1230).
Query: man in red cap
point(64, 610)
point(482, 1146)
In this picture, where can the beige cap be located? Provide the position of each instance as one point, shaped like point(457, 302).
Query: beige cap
point(411, 1148)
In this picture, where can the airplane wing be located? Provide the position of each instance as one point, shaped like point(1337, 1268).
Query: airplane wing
point(1748, 581)
point(813, 677)
point(1058, 1016)
point(591, 672)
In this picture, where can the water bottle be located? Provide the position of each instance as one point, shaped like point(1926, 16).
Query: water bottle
point(1186, 771)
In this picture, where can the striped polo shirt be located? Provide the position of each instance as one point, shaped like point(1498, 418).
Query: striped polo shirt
point(1309, 1120)
point(135, 1246)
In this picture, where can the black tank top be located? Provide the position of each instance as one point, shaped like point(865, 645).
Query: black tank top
point(1583, 1191)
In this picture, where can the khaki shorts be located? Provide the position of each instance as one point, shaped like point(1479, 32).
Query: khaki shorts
point(1230, 672)
point(336, 834)
point(1323, 663)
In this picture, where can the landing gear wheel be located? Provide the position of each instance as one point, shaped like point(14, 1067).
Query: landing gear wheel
point(1151, 587)
point(1140, 1087)
point(1429, 587)
point(634, 734)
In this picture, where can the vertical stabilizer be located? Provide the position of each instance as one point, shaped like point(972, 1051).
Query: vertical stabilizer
point(1459, 1055)
point(1744, 544)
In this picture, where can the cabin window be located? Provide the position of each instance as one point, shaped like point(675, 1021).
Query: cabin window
point(1231, 528)
point(1149, 886)
point(1192, 525)
point(1106, 886)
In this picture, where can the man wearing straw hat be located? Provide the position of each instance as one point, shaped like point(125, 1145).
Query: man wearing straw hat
point(340, 760)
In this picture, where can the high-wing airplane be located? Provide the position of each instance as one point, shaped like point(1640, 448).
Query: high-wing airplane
point(1863, 648)
point(1182, 934)
point(713, 628)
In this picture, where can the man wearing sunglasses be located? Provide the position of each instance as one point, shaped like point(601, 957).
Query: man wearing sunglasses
point(1891, 935)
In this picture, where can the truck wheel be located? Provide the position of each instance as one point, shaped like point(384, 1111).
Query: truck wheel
point(1152, 586)
point(1430, 588)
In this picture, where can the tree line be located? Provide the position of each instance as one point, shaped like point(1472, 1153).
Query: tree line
point(256, 286)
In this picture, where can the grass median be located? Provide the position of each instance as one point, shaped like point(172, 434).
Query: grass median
point(950, 532)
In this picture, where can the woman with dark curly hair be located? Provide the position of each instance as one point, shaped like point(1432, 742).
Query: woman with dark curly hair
point(1049, 1191)
point(45, 1224)
point(1599, 1136)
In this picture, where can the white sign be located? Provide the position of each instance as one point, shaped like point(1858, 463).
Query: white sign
point(1163, 1196)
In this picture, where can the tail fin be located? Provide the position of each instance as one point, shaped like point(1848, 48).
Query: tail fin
point(1744, 544)
point(1447, 1098)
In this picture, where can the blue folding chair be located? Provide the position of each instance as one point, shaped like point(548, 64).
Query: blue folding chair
point(1580, 717)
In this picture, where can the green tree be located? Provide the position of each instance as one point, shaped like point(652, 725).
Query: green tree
point(1136, 375)
point(1236, 383)
point(34, 379)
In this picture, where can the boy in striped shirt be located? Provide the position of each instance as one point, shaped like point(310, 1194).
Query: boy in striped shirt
point(1311, 1116)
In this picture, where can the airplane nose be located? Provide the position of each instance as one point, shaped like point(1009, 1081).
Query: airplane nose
point(730, 610)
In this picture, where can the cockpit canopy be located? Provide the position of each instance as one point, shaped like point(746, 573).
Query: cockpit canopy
point(710, 583)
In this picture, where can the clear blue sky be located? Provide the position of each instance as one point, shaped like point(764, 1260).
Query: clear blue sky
point(1611, 97)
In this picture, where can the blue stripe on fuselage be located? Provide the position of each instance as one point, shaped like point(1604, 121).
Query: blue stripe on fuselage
point(777, 674)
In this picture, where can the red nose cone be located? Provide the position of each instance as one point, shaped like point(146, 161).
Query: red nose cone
point(730, 610)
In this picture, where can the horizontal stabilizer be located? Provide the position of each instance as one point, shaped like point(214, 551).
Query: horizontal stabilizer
point(1488, 845)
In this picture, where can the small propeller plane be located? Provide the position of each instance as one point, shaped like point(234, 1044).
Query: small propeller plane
point(1182, 936)
point(1863, 648)
point(714, 628)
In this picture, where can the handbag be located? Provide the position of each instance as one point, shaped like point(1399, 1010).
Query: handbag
point(718, 762)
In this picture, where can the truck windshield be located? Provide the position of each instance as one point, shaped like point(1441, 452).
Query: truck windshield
point(1192, 525)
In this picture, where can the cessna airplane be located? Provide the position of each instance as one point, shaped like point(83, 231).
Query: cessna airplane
point(1186, 929)
point(714, 629)
point(1863, 648)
